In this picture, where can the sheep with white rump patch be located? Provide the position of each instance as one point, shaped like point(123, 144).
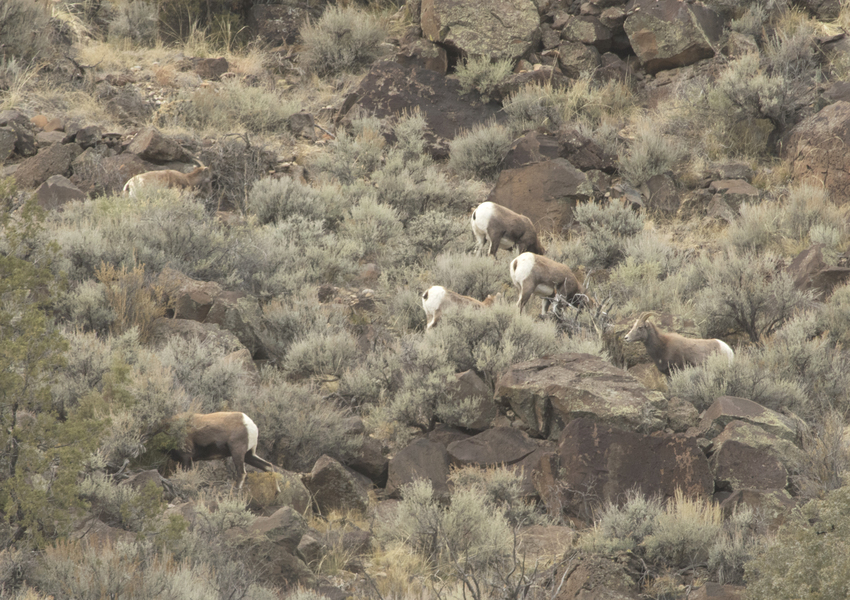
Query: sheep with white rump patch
point(436, 298)
point(198, 177)
point(503, 228)
point(672, 351)
point(219, 435)
point(541, 276)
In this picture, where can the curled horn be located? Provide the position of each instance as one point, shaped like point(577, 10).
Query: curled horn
point(642, 319)
point(198, 162)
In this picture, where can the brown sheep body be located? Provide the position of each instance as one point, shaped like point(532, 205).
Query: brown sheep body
point(672, 351)
point(436, 298)
point(220, 435)
point(198, 177)
point(541, 276)
point(503, 228)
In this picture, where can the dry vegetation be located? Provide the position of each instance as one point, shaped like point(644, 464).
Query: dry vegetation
point(83, 392)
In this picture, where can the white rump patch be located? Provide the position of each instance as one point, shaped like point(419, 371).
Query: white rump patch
point(253, 432)
point(726, 350)
point(436, 295)
point(521, 268)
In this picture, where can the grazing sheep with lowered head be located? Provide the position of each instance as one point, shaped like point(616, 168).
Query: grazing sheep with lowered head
point(219, 435)
point(671, 350)
point(541, 276)
point(504, 229)
point(436, 298)
point(200, 176)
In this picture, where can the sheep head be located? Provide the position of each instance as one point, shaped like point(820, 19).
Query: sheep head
point(640, 330)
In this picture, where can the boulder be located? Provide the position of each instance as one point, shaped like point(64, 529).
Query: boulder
point(48, 138)
point(818, 149)
point(594, 577)
point(661, 193)
point(189, 298)
point(497, 446)
point(423, 54)
point(53, 160)
point(239, 313)
point(575, 58)
point(748, 434)
point(469, 385)
point(150, 144)
point(548, 393)
point(57, 191)
point(211, 68)
point(333, 487)
point(369, 460)
point(774, 504)
point(503, 29)
point(730, 408)
point(164, 328)
point(89, 136)
point(284, 528)
point(302, 124)
point(665, 34)
point(8, 139)
point(390, 90)
point(423, 459)
point(546, 192)
point(810, 272)
point(583, 153)
point(607, 462)
point(265, 499)
point(589, 31)
point(533, 147)
point(735, 191)
point(738, 466)
point(128, 105)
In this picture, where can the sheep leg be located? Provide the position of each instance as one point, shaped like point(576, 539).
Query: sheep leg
point(239, 463)
point(525, 295)
point(544, 307)
point(495, 240)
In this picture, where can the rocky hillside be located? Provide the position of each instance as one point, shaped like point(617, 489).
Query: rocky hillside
point(688, 161)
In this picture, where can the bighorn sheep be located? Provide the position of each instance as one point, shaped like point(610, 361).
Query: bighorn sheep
point(504, 229)
point(196, 178)
point(436, 298)
point(671, 350)
point(219, 435)
point(535, 274)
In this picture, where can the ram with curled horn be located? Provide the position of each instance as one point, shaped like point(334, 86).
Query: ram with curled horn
point(672, 351)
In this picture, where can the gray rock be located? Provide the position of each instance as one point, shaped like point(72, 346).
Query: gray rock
point(504, 29)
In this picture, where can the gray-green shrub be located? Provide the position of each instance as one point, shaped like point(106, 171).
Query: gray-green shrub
point(650, 153)
point(297, 425)
point(746, 377)
point(343, 39)
point(136, 21)
point(24, 31)
point(605, 229)
point(274, 200)
point(484, 76)
point(746, 292)
point(479, 153)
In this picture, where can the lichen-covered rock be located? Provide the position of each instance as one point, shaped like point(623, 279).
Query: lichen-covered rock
point(818, 149)
point(334, 488)
point(545, 192)
point(548, 393)
point(730, 408)
point(607, 462)
point(500, 29)
point(423, 459)
point(669, 33)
